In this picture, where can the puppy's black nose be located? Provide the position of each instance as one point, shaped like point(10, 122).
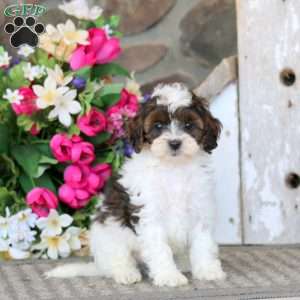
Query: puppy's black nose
point(175, 144)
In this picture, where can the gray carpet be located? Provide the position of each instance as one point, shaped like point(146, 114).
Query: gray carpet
point(253, 273)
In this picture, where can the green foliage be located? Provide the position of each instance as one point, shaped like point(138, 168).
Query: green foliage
point(16, 77)
point(28, 157)
point(108, 95)
point(111, 69)
point(114, 21)
point(84, 73)
point(41, 57)
point(99, 138)
point(10, 199)
point(4, 138)
point(82, 217)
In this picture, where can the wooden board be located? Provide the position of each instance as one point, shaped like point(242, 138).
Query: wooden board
point(269, 42)
point(226, 165)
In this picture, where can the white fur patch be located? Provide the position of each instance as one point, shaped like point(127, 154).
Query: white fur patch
point(173, 95)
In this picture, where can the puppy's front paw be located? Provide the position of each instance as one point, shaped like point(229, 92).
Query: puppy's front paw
point(171, 279)
point(212, 271)
point(128, 276)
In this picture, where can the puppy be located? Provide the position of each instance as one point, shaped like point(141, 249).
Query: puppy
point(162, 202)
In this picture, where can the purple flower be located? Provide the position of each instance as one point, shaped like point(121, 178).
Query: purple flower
point(146, 98)
point(15, 61)
point(128, 149)
point(79, 83)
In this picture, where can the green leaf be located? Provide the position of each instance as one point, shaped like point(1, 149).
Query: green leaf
point(99, 139)
point(43, 147)
point(84, 73)
point(25, 122)
point(114, 88)
point(4, 138)
point(48, 160)
point(100, 22)
point(73, 130)
point(110, 100)
point(27, 157)
point(107, 157)
point(45, 181)
point(114, 21)
point(28, 183)
point(111, 69)
point(16, 77)
point(41, 57)
point(11, 200)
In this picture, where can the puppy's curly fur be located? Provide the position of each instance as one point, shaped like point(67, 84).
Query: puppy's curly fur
point(162, 202)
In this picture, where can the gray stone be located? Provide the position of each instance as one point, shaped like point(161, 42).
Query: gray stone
point(176, 77)
point(54, 16)
point(209, 31)
point(141, 57)
point(136, 15)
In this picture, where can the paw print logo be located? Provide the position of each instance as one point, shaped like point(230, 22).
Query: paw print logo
point(24, 31)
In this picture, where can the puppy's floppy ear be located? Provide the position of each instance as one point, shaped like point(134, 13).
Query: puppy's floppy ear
point(135, 132)
point(211, 126)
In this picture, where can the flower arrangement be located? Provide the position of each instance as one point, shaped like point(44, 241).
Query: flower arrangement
point(62, 132)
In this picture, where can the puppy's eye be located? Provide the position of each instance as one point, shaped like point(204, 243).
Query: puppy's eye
point(189, 125)
point(158, 125)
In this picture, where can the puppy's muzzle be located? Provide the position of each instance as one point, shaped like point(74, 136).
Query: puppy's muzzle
point(175, 144)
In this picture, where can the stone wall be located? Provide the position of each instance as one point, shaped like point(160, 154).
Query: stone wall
point(167, 40)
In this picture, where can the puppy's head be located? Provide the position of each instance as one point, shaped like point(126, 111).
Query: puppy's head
point(174, 123)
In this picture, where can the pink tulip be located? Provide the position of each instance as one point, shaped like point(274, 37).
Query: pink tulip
point(41, 201)
point(83, 153)
point(61, 147)
point(126, 107)
point(27, 105)
point(101, 49)
point(83, 177)
point(92, 123)
point(95, 183)
point(128, 103)
point(76, 176)
point(75, 198)
point(76, 139)
point(103, 170)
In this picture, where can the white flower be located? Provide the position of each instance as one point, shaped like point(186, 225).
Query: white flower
point(4, 59)
point(53, 224)
point(40, 71)
point(55, 245)
point(11, 252)
point(64, 107)
point(80, 10)
point(58, 75)
point(25, 218)
point(13, 96)
point(49, 93)
point(72, 234)
point(25, 50)
point(20, 237)
point(53, 33)
point(4, 224)
point(107, 30)
point(71, 35)
point(33, 72)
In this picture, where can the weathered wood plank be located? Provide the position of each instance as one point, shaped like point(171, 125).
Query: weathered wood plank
point(269, 41)
point(226, 166)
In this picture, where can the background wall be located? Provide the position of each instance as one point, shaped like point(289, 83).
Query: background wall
point(165, 40)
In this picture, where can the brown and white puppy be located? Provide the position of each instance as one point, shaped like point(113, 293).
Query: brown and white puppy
point(162, 201)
